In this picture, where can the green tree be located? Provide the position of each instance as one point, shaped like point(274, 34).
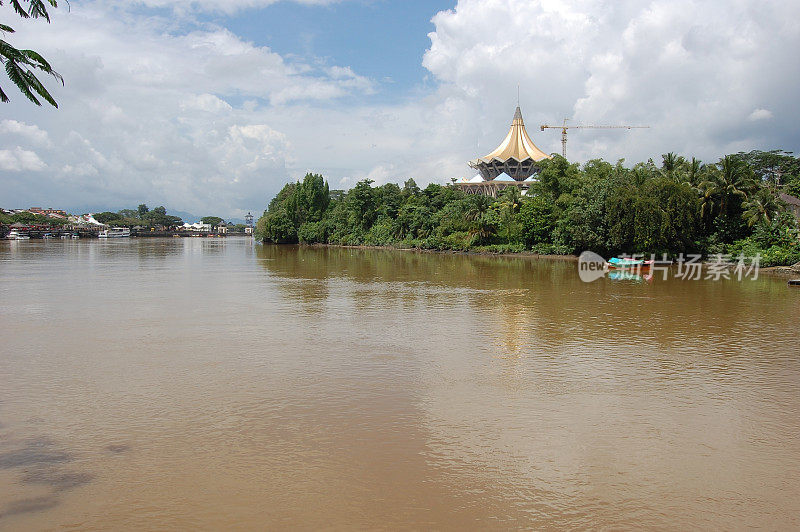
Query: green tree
point(693, 172)
point(276, 226)
point(763, 206)
point(414, 220)
point(361, 205)
point(213, 221)
point(775, 167)
point(600, 206)
point(159, 216)
point(24, 217)
point(730, 180)
point(390, 198)
point(311, 233)
point(485, 227)
point(538, 220)
point(557, 177)
point(20, 65)
point(671, 164)
point(309, 200)
point(410, 188)
point(142, 210)
point(108, 217)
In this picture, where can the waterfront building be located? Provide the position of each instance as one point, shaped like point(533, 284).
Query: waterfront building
point(514, 163)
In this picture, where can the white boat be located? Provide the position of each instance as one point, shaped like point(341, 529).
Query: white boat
point(16, 235)
point(115, 232)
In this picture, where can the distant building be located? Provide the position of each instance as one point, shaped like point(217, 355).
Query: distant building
point(793, 203)
point(222, 228)
point(197, 226)
point(512, 164)
point(85, 219)
point(58, 213)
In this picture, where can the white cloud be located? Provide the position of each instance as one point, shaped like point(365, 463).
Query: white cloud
point(206, 102)
point(760, 114)
point(16, 129)
point(19, 159)
point(207, 122)
point(691, 69)
point(145, 113)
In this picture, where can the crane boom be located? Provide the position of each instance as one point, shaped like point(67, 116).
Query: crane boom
point(565, 127)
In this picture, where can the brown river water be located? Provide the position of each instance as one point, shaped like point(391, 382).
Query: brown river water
point(194, 383)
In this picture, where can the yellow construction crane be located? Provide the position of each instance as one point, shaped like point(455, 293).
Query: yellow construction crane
point(565, 127)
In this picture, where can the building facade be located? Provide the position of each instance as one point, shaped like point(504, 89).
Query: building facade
point(514, 163)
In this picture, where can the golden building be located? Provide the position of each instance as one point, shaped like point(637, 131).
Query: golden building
point(512, 164)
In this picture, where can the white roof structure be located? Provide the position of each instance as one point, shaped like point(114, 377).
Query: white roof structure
point(85, 219)
point(517, 145)
point(516, 156)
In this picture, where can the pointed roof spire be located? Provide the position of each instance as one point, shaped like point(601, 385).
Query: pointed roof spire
point(517, 144)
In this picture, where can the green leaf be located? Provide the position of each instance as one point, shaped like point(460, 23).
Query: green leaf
point(18, 77)
point(19, 9)
point(36, 85)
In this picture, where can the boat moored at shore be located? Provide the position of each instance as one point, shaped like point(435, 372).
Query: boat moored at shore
point(627, 263)
point(115, 232)
point(16, 235)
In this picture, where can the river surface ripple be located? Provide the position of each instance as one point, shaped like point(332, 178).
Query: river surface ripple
point(202, 383)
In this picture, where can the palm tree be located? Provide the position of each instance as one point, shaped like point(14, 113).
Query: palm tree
point(671, 163)
point(709, 195)
point(483, 227)
point(20, 64)
point(728, 179)
point(762, 206)
point(479, 204)
point(693, 172)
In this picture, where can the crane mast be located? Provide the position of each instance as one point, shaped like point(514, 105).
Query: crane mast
point(565, 127)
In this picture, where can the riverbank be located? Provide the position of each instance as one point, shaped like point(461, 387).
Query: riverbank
point(530, 254)
point(605, 208)
point(785, 271)
point(36, 232)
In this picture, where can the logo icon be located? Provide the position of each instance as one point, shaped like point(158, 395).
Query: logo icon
point(591, 266)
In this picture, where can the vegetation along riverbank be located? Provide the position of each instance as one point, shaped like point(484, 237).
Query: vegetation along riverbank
point(735, 206)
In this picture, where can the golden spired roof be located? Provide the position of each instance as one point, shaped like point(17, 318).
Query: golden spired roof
point(517, 144)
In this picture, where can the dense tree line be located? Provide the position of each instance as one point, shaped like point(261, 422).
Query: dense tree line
point(680, 206)
point(29, 218)
point(141, 216)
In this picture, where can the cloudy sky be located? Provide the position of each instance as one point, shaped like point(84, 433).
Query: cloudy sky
point(210, 106)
